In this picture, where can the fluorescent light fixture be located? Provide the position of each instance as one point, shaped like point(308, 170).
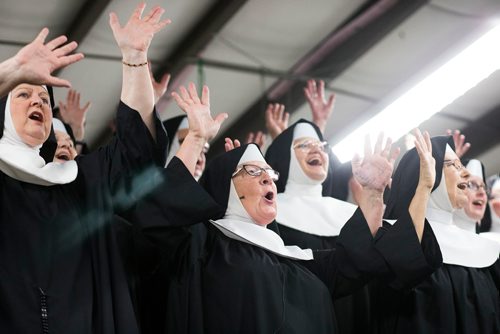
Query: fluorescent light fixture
point(429, 96)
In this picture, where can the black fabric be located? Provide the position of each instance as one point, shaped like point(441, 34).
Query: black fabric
point(405, 178)
point(278, 156)
point(452, 299)
point(172, 125)
point(57, 246)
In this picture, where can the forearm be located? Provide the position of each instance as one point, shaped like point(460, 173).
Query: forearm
point(190, 151)
point(8, 76)
point(137, 90)
point(320, 123)
point(418, 208)
point(371, 203)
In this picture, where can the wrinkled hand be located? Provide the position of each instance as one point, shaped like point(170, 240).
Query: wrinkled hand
point(276, 119)
point(159, 88)
point(258, 138)
point(231, 144)
point(135, 36)
point(201, 123)
point(73, 114)
point(374, 171)
point(427, 162)
point(37, 60)
point(461, 147)
point(321, 109)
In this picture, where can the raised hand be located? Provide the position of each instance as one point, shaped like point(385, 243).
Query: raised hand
point(36, 61)
point(134, 38)
point(276, 119)
point(201, 123)
point(231, 144)
point(374, 171)
point(159, 88)
point(427, 162)
point(321, 109)
point(258, 138)
point(461, 147)
point(73, 114)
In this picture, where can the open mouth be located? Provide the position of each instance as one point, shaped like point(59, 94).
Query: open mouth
point(269, 196)
point(314, 162)
point(36, 116)
point(478, 202)
point(63, 156)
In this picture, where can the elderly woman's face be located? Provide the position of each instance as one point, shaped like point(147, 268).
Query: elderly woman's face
point(311, 157)
point(495, 200)
point(257, 194)
point(65, 148)
point(31, 113)
point(456, 180)
point(477, 199)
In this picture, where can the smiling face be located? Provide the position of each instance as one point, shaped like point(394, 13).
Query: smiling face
point(311, 157)
point(257, 194)
point(456, 180)
point(477, 199)
point(495, 198)
point(31, 113)
point(65, 148)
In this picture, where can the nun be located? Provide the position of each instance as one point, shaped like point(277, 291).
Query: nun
point(308, 218)
point(462, 295)
point(60, 269)
point(65, 143)
point(246, 279)
point(471, 216)
point(493, 232)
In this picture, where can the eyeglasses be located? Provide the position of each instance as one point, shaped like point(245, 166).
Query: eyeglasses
point(455, 163)
point(254, 170)
point(475, 187)
point(308, 145)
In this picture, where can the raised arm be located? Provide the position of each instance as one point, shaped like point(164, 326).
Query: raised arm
point(372, 174)
point(134, 39)
point(276, 119)
point(74, 115)
point(202, 127)
point(35, 63)
point(321, 108)
point(461, 146)
point(418, 204)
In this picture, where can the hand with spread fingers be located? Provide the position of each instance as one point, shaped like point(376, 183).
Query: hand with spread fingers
point(258, 138)
point(461, 147)
point(35, 63)
point(276, 119)
point(73, 114)
point(427, 162)
point(374, 171)
point(230, 144)
point(321, 108)
point(135, 37)
point(201, 123)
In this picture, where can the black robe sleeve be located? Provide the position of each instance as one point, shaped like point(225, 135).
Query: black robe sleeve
point(410, 261)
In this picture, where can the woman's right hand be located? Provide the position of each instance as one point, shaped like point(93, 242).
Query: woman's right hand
point(136, 35)
point(201, 123)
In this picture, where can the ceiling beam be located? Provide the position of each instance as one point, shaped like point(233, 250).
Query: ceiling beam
point(199, 37)
point(329, 58)
point(483, 133)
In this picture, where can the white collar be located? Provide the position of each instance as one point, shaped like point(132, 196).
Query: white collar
point(461, 220)
point(458, 247)
point(24, 163)
point(237, 223)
